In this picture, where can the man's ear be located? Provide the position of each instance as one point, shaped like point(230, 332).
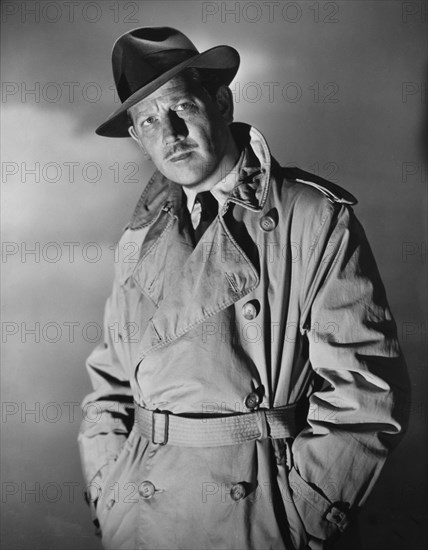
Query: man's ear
point(224, 102)
point(134, 136)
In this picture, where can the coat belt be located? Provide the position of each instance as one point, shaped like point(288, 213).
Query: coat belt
point(162, 427)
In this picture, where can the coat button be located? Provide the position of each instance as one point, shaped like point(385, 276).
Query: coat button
point(146, 489)
point(252, 400)
point(238, 492)
point(267, 223)
point(249, 311)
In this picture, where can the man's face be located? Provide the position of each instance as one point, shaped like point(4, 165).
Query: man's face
point(183, 130)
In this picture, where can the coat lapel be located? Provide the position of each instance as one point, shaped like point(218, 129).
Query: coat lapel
point(201, 282)
point(166, 248)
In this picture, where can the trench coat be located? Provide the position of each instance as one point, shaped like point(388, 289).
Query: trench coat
point(280, 301)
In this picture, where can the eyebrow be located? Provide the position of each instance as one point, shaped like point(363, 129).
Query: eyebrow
point(177, 98)
point(140, 115)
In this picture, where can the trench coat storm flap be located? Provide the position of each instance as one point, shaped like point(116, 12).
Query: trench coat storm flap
point(279, 303)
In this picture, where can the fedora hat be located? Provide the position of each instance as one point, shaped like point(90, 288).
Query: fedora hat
point(144, 59)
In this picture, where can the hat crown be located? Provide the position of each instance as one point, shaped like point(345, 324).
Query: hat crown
point(141, 55)
point(154, 39)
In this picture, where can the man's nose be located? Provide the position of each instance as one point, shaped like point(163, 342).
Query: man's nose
point(174, 128)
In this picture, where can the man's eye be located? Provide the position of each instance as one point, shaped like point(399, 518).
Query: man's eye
point(148, 121)
point(186, 106)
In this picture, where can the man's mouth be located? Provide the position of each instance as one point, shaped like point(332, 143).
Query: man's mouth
point(181, 156)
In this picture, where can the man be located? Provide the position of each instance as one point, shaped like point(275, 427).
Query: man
point(246, 392)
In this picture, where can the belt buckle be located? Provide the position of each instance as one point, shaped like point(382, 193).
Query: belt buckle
point(166, 426)
point(336, 515)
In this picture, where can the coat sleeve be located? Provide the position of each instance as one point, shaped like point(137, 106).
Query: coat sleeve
point(108, 410)
point(355, 413)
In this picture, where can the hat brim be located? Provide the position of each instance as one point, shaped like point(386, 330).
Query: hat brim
point(222, 59)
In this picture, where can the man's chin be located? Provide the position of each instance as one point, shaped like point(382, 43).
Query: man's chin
point(187, 176)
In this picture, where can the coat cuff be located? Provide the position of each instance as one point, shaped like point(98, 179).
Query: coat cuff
point(321, 517)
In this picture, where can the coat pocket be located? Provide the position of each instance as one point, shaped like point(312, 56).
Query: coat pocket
point(109, 493)
point(296, 527)
point(118, 507)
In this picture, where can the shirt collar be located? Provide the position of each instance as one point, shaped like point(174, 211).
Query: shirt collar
point(250, 190)
point(220, 190)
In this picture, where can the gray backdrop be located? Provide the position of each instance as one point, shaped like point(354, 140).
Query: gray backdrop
point(336, 87)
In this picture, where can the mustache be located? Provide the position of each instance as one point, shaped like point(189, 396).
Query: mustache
point(179, 149)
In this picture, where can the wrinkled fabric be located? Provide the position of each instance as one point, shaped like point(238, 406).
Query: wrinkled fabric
point(177, 340)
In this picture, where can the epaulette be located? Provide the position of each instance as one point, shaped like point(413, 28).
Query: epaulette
point(333, 192)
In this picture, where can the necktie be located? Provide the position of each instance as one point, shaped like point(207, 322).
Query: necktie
point(209, 210)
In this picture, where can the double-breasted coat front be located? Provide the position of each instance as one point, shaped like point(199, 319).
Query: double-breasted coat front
point(279, 303)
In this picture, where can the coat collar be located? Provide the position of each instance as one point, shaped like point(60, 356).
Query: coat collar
point(251, 191)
